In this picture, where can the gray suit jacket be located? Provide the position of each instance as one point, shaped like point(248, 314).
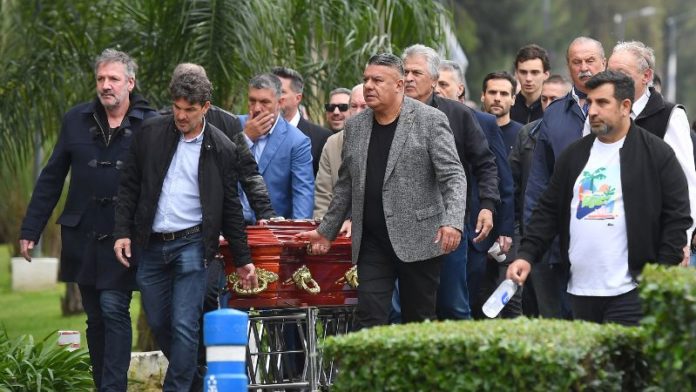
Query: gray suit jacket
point(424, 184)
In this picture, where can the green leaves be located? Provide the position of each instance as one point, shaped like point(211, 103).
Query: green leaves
point(536, 354)
point(669, 298)
point(492, 355)
point(43, 366)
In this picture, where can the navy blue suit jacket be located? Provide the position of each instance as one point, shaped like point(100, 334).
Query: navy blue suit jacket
point(561, 125)
point(504, 218)
point(87, 220)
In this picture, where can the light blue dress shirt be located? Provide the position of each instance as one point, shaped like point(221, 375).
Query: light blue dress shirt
point(256, 149)
point(179, 205)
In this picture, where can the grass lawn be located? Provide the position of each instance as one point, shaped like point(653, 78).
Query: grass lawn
point(38, 313)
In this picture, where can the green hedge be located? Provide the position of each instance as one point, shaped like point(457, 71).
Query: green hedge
point(492, 355)
point(669, 300)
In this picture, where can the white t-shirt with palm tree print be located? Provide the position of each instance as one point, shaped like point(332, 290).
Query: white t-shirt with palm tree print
point(598, 249)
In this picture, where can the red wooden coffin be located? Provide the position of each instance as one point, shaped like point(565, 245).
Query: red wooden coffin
point(266, 256)
point(301, 279)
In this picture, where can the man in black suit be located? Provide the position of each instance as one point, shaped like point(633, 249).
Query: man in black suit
point(421, 67)
point(293, 85)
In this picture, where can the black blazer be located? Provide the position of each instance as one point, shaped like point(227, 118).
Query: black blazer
point(317, 136)
point(473, 149)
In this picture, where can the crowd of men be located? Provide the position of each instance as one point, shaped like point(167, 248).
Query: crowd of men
point(586, 180)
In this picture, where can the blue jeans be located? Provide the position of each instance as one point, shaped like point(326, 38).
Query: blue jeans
point(172, 280)
point(453, 293)
point(109, 336)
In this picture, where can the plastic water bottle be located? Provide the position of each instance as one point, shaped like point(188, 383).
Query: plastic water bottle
point(500, 297)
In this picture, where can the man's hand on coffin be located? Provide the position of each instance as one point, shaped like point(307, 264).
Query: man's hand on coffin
point(248, 275)
point(318, 244)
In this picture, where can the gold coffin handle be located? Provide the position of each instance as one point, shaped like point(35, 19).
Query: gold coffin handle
point(303, 280)
point(350, 277)
point(265, 277)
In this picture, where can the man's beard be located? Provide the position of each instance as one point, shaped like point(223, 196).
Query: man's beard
point(498, 113)
point(115, 101)
point(601, 130)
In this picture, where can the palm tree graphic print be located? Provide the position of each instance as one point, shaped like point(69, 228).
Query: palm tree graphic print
point(595, 196)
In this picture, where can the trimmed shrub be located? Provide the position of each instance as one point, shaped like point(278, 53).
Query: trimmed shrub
point(43, 366)
point(669, 302)
point(492, 355)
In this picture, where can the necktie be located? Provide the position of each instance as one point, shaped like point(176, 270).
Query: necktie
point(255, 151)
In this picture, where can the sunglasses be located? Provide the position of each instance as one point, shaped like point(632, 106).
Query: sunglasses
point(330, 107)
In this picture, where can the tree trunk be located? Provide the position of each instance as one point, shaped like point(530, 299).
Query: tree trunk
point(146, 341)
point(71, 304)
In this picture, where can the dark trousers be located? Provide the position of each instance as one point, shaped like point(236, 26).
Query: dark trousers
point(109, 336)
point(549, 279)
point(549, 284)
point(378, 269)
point(624, 309)
point(529, 301)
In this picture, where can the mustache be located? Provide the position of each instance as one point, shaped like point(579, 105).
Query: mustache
point(584, 74)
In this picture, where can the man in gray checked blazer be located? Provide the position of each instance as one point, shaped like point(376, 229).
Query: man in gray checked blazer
point(402, 179)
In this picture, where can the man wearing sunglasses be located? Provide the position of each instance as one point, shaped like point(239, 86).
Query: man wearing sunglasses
point(337, 109)
point(330, 159)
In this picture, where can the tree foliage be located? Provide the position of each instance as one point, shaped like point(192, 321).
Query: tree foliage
point(492, 32)
point(47, 49)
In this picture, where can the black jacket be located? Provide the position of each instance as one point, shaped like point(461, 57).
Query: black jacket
point(87, 221)
point(252, 182)
point(520, 162)
point(524, 115)
point(317, 136)
point(504, 217)
point(143, 175)
point(655, 195)
point(473, 150)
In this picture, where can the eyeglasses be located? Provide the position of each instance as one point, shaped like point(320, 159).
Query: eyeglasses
point(330, 107)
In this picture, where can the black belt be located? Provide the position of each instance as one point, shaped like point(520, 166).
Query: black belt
point(175, 235)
